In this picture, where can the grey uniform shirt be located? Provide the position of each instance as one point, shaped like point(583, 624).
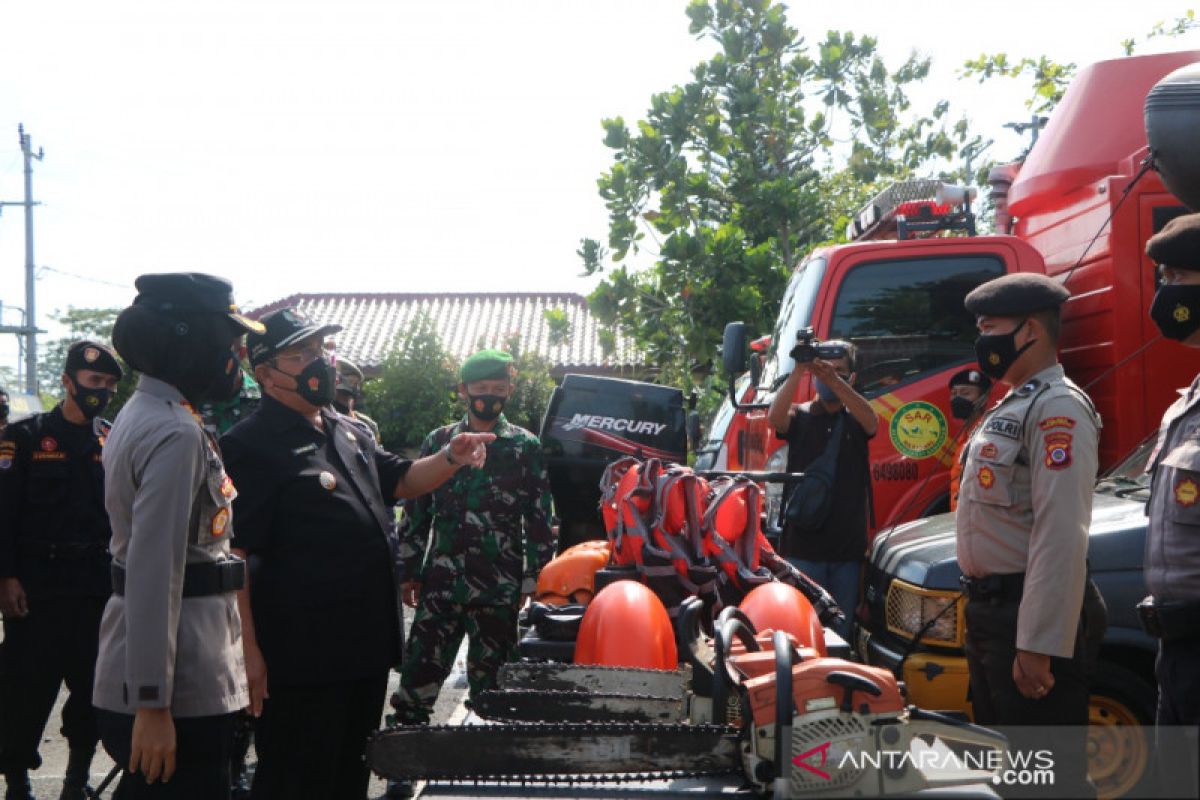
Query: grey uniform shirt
point(1025, 504)
point(168, 499)
point(1172, 563)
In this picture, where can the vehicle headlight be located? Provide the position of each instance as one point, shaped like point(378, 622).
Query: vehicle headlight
point(910, 608)
point(774, 491)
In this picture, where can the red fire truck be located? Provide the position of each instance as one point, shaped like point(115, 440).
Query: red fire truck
point(897, 290)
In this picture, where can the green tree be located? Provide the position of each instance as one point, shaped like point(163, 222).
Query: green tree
point(416, 389)
point(1049, 78)
point(81, 323)
point(726, 182)
point(532, 387)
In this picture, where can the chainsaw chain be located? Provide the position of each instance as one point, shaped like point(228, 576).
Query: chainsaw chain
point(552, 666)
point(571, 729)
point(549, 694)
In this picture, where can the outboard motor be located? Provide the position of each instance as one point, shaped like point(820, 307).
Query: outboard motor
point(1172, 120)
point(592, 421)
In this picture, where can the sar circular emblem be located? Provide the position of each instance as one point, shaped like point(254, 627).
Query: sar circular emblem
point(918, 429)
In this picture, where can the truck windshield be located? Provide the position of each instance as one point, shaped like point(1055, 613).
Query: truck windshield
point(907, 317)
point(794, 313)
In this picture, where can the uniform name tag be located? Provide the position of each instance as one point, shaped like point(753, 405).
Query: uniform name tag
point(1005, 426)
point(308, 448)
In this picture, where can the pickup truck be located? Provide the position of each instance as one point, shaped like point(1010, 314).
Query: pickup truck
point(911, 621)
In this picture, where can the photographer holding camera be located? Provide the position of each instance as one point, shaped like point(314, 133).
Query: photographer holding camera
point(825, 518)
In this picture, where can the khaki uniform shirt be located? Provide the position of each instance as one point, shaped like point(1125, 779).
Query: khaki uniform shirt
point(1025, 504)
point(168, 499)
point(1172, 563)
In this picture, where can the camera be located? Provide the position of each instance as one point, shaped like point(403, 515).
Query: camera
point(808, 348)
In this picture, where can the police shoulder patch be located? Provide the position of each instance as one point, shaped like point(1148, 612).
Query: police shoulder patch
point(1056, 422)
point(1004, 426)
point(1058, 450)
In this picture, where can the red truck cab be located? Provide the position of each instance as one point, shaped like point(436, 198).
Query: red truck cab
point(900, 302)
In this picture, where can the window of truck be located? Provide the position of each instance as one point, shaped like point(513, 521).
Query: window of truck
point(907, 317)
point(794, 313)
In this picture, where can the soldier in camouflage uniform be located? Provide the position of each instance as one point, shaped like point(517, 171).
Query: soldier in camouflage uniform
point(491, 537)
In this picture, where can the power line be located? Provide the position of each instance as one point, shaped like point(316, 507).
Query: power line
point(76, 276)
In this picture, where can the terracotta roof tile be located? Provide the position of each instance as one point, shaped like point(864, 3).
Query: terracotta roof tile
point(464, 321)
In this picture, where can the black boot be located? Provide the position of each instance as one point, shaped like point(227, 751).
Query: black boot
point(16, 786)
point(79, 768)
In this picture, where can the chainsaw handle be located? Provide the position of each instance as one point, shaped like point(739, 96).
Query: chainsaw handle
point(687, 635)
point(724, 676)
point(733, 612)
point(785, 709)
point(852, 683)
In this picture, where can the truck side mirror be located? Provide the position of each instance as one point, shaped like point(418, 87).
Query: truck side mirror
point(733, 349)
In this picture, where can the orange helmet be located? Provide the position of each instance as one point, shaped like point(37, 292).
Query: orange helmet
point(626, 625)
point(781, 607)
point(570, 578)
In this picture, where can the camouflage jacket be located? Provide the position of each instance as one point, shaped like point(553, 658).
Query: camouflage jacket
point(491, 526)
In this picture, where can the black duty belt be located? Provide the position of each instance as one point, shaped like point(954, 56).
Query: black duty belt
point(210, 577)
point(63, 550)
point(1007, 587)
point(1169, 621)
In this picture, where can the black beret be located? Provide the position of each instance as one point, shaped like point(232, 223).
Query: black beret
point(970, 377)
point(1177, 245)
point(1016, 294)
point(86, 354)
point(191, 292)
point(280, 330)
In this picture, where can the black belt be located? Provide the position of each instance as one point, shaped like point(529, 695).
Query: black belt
point(64, 550)
point(210, 577)
point(1169, 621)
point(995, 587)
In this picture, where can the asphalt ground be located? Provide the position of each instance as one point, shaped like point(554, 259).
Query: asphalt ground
point(47, 781)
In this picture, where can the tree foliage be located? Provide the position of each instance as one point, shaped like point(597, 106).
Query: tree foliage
point(1049, 78)
point(730, 178)
point(415, 391)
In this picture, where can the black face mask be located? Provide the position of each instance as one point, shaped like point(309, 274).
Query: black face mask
point(91, 402)
point(1176, 310)
point(343, 408)
point(961, 407)
point(226, 383)
point(316, 383)
point(486, 407)
point(996, 352)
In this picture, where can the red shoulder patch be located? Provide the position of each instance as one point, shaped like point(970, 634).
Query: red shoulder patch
point(1056, 422)
point(49, 445)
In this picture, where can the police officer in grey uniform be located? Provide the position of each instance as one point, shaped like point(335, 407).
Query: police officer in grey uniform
point(1172, 563)
point(1024, 508)
point(170, 672)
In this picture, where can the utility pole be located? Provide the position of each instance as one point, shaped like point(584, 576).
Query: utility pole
point(29, 328)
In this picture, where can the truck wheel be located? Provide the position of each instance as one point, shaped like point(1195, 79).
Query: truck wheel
point(1122, 702)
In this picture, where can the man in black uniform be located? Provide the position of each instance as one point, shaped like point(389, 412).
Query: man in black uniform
point(321, 619)
point(54, 569)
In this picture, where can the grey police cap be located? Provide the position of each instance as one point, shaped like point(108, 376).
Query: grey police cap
point(1016, 294)
point(1177, 245)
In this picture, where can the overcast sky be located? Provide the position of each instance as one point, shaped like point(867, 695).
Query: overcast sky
point(398, 145)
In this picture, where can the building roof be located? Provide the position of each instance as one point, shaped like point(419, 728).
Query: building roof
point(464, 321)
